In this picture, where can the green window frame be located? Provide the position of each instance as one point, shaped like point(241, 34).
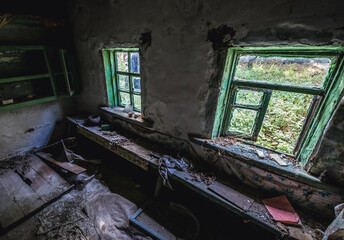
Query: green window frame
point(319, 112)
point(123, 79)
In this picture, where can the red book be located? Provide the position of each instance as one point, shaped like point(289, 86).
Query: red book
point(281, 209)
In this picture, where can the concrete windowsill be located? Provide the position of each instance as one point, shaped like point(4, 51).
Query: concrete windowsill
point(245, 154)
point(117, 112)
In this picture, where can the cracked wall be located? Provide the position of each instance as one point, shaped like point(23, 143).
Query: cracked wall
point(182, 60)
point(183, 46)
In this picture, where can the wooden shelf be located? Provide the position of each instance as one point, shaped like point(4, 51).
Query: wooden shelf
point(23, 64)
point(23, 78)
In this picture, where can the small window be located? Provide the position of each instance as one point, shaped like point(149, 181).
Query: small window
point(122, 71)
point(280, 99)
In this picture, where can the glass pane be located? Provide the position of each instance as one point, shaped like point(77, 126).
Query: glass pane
point(137, 102)
point(283, 120)
point(122, 61)
point(123, 82)
point(134, 62)
point(242, 121)
point(248, 97)
point(14, 63)
point(298, 71)
point(124, 98)
point(136, 84)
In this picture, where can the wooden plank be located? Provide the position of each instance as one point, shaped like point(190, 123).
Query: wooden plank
point(120, 149)
point(48, 174)
point(27, 103)
point(231, 195)
point(23, 78)
point(20, 192)
point(25, 190)
point(70, 167)
point(254, 215)
point(40, 185)
point(10, 212)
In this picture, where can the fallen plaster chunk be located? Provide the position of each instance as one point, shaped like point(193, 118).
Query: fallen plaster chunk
point(282, 227)
point(297, 233)
point(278, 159)
point(260, 153)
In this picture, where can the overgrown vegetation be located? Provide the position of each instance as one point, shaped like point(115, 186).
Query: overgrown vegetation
point(123, 80)
point(286, 111)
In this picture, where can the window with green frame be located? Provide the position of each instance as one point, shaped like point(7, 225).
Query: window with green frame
point(123, 80)
point(280, 98)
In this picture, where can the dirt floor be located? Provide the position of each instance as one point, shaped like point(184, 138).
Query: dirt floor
point(67, 218)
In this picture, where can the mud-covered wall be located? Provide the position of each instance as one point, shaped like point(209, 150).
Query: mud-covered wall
point(183, 48)
point(25, 128)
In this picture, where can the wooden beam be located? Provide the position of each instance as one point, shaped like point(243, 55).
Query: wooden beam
point(70, 167)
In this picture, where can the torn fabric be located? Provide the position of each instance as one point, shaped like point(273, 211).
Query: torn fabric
point(167, 166)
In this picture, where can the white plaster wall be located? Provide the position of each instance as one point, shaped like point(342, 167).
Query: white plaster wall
point(181, 71)
point(25, 128)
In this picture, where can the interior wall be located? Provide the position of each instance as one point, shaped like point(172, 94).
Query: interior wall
point(29, 127)
point(183, 47)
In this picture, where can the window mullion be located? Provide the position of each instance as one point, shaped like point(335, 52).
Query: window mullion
point(228, 114)
point(280, 87)
point(113, 64)
point(261, 114)
point(130, 83)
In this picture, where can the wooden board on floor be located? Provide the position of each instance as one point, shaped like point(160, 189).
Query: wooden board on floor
point(7, 203)
point(231, 195)
point(26, 189)
point(48, 174)
point(70, 167)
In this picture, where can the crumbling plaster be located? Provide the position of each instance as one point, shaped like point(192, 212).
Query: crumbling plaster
point(182, 67)
point(31, 127)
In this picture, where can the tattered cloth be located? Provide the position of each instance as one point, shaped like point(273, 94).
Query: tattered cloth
point(168, 165)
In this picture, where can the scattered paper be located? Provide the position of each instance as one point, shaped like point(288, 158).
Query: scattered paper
point(281, 209)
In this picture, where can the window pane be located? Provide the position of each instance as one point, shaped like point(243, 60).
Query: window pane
point(124, 98)
point(122, 61)
point(242, 121)
point(136, 84)
point(137, 102)
point(123, 82)
point(134, 62)
point(298, 71)
point(283, 120)
point(248, 97)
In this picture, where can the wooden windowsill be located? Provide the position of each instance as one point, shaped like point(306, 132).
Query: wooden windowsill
point(246, 153)
point(117, 112)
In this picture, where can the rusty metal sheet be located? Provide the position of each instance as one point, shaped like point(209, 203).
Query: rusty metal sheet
point(240, 200)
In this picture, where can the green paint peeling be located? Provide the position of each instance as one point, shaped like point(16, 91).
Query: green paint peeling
point(114, 70)
point(331, 90)
point(108, 78)
point(323, 114)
